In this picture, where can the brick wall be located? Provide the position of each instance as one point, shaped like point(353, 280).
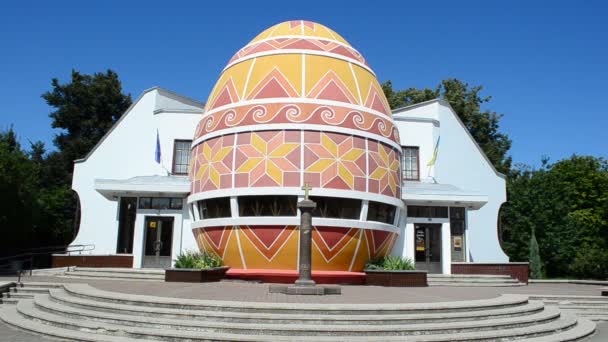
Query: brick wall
point(517, 270)
point(93, 260)
point(397, 278)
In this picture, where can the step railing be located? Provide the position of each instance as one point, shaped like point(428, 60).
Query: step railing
point(25, 259)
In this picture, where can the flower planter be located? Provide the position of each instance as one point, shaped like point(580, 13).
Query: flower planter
point(192, 275)
point(395, 278)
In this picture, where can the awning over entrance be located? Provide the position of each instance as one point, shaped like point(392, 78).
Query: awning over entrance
point(144, 185)
point(421, 193)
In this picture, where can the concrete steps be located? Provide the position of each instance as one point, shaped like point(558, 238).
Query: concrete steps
point(80, 312)
point(591, 307)
point(9, 300)
point(140, 274)
point(61, 303)
point(472, 280)
point(87, 292)
point(18, 292)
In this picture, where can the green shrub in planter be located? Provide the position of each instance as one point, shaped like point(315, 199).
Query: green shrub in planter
point(391, 263)
point(197, 260)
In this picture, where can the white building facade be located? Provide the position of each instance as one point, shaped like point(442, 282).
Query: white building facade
point(133, 206)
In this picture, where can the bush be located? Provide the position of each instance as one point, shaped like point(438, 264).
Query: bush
point(391, 263)
point(591, 261)
point(197, 260)
point(534, 259)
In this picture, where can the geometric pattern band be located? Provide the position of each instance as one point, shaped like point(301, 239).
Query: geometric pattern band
point(276, 247)
point(291, 76)
point(303, 28)
point(299, 43)
point(297, 113)
point(291, 158)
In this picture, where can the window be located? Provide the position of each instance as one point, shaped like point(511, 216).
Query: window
point(268, 205)
point(381, 212)
point(176, 203)
point(432, 212)
point(126, 224)
point(214, 208)
point(331, 207)
point(410, 163)
point(160, 203)
point(181, 156)
point(457, 230)
point(457, 220)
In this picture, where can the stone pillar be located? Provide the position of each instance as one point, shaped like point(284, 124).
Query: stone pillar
point(305, 285)
point(410, 242)
point(305, 267)
point(446, 248)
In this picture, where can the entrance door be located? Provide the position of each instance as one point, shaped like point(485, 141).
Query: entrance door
point(159, 238)
point(428, 247)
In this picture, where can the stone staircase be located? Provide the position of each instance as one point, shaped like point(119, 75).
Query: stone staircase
point(81, 312)
point(592, 307)
point(28, 291)
point(472, 280)
point(145, 274)
point(140, 274)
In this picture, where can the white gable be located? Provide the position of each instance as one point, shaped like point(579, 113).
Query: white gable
point(460, 162)
point(128, 151)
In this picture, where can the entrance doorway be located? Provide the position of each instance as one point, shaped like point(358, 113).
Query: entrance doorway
point(428, 247)
point(159, 239)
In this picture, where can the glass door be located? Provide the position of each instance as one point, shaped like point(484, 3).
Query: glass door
point(158, 239)
point(427, 244)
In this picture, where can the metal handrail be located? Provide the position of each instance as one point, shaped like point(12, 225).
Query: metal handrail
point(27, 256)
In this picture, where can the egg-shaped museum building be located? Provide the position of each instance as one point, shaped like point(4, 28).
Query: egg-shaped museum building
point(297, 105)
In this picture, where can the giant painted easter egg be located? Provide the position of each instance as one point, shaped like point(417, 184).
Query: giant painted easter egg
point(297, 105)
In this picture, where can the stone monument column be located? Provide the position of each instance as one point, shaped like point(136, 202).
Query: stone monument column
point(306, 207)
point(305, 285)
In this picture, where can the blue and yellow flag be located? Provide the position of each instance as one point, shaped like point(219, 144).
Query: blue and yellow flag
point(434, 159)
point(157, 153)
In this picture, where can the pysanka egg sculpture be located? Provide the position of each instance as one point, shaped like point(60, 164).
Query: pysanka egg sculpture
point(297, 105)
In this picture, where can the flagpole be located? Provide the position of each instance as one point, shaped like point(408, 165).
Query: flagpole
point(158, 154)
point(431, 163)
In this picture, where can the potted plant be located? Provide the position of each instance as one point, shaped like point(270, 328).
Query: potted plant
point(394, 271)
point(196, 267)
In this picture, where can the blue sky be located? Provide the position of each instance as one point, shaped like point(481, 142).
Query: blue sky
point(545, 64)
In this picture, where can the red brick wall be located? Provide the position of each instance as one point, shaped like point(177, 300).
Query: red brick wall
point(517, 270)
point(399, 279)
point(93, 260)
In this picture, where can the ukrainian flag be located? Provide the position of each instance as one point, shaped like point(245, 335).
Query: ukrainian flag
point(434, 159)
point(157, 153)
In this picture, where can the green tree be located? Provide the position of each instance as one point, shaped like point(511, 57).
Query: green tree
point(466, 101)
point(566, 203)
point(401, 98)
point(534, 259)
point(16, 186)
point(85, 109)
point(38, 205)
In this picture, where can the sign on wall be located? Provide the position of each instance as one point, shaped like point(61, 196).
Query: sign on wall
point(420, 241)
